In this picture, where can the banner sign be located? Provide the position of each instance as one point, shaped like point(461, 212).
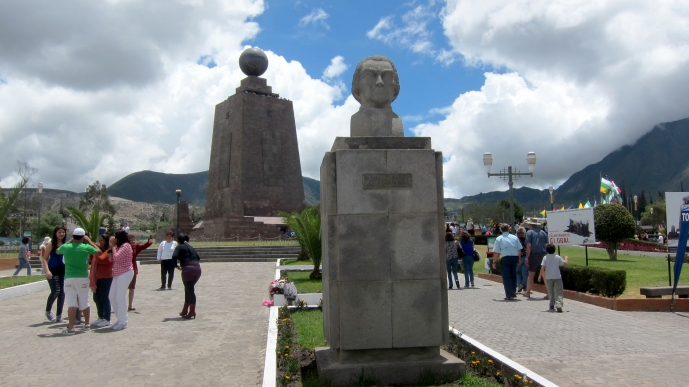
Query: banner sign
point(681, 246)
point(571, 227)
point(675, 202)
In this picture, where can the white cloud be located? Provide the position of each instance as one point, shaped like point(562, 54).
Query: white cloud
point(317, 16)
point(586, 78)
point(113, 121)
point(336, 68)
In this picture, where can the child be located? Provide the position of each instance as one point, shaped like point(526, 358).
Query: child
point(553, 280)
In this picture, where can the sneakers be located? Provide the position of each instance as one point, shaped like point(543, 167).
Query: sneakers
point(119, 327)
point(95, 323)
point(161, 288)
point(78, 321)
point(86, 328)
point(49, 316)
point(69, 332)
point(59, 319)
point(103, 323)
point(559, 310)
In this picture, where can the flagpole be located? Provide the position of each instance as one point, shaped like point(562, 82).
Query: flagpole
point(600, 174)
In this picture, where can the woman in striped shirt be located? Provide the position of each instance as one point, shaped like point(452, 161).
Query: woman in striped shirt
point(122, 273)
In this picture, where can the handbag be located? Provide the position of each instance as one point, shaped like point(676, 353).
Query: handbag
point(460, 252)
point(477, 256)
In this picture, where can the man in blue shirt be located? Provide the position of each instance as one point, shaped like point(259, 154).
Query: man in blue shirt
point(509, 247)
point(536, 239)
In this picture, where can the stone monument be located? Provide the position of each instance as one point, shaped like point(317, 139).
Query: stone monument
point(384, 284)
point(254, 166)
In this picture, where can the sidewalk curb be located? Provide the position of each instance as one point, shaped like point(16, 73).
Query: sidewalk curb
point(515, 367)
point(22, 290)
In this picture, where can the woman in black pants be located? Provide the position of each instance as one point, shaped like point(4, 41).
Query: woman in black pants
point(55, 273)
point(187, 260)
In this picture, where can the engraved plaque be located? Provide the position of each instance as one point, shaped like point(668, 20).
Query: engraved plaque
point(387, 181)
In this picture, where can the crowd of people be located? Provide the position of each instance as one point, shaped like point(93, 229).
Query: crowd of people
point(522, 256)
point(108, 269)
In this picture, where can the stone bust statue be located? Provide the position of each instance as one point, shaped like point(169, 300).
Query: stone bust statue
point(375, 85)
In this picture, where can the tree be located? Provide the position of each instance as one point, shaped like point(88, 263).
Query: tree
point(518, 210)
point(96, 197)
point(658, 215)
point(7, 203)
point(307, 227)
point(49, 221)
point(89, 223)
point(613, 223)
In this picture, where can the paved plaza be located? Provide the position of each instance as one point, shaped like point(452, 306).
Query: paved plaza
point(584, 346)
point(224, 346)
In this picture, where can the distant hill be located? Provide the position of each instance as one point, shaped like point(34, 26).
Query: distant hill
point(657, 162)
point(151, 187)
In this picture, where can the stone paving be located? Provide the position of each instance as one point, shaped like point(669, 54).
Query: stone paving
point(584, 346)
point(224, 346)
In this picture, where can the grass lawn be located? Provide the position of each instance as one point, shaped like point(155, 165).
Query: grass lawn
point(303, 283)
point(309, 335)
point(295, 262)
point(641, 271)
point(8, 282)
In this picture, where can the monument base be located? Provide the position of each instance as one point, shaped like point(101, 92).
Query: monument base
point(386, 372)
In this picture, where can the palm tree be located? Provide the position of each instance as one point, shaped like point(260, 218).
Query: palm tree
point(89, 223)
point(7, 203)
point(307, 227)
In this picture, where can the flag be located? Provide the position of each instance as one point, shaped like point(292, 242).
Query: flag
point(595, 203)
point(616, 191)
point(681, 247)
point(605, 185)
point(563, 208)
point(570, 206)
point(581, 205)
point(588, 204)
point(543, 213)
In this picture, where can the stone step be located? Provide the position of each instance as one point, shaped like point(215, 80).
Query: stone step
point(223, 259)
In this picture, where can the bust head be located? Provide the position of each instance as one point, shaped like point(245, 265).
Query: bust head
point(375, 82)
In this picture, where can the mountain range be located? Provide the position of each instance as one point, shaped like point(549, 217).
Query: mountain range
point(655, 163)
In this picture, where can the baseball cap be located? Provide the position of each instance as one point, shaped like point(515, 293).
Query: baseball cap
point(78, 232)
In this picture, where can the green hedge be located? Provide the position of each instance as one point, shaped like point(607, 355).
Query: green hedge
point(480, 240)
point(594, 280)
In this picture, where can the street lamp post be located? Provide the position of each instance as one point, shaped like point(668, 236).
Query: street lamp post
point(462, 208)
point(636, 208)
point(551, 198)
point(653, 220)
point(178, 192)
point(510, 174)
point(40, 204)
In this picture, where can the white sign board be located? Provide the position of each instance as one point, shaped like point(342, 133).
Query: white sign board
point(674, 203)
point(571, 227)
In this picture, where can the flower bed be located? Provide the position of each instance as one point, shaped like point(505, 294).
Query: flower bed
point(635, 245)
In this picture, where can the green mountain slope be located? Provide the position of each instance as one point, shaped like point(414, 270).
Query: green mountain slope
point(657, 162)
point(151, 187)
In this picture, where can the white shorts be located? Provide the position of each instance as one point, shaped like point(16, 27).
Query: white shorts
point(77, 293)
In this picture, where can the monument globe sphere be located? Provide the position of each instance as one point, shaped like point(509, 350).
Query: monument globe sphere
point(253, 62)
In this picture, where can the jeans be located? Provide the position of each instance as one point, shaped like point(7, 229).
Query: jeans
point(190, 275)
point(23, 263)
point(101, 297)
point(118, 296)
point(468, 266)
point(452, 264)
point(522, 272)
point(508, 267)
point(167, 269)
point(57, 290)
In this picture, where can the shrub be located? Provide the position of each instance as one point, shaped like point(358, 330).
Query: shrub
point(613, 223)
point(608, 283)
point(480, 240)
point(576, 278)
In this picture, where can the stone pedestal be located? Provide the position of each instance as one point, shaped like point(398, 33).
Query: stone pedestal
point(384, 282)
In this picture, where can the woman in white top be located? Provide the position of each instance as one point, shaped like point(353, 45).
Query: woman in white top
point(167, 266)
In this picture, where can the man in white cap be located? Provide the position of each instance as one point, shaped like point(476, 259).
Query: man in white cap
point(76, 257)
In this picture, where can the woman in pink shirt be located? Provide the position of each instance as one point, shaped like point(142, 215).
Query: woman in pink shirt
point(122, 273)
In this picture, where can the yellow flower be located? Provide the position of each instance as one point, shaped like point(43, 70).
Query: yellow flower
point(517, 376)
point(287, 346)
point(473, 353)
point(286, 354)
point(286, 376)
point(490, 361)
point(497, 373)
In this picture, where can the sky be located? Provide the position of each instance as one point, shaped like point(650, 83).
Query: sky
point(96, 90)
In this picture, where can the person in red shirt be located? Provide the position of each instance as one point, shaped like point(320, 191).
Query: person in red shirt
point(136, 249)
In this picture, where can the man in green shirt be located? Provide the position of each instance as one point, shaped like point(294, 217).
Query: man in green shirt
point(76, 257)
